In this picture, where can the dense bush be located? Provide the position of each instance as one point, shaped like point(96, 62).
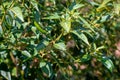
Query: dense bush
point(59, 39)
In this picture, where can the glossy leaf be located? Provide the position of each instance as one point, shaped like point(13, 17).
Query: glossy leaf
point(18, 12)
point(86, 23)
point(81, 36)
point(42, 64)
point(108, 63)
point(103, 5)
point(34, 29)
point(60, 46)
point(77, 6)
point(105, 18)
point(35, 4)
point(26, 53)
point(85, 57)
point(14, 71)
point(39, 28)
point(42, 45)
point(53, 16)
point(66, 25)
point(94, 3)
point(5, 74)
point(117, 8)
point(46, 68)
point(101, 47)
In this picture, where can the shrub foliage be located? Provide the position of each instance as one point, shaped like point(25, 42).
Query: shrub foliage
point(59, 39)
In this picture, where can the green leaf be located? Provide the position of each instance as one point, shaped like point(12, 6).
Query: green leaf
point(99, 48)
point(107, 63)
point(104, 18)
point(60, 46)
point(35, 52)
point(39, 28)
point(77, 6)
point(35, 4)
point(81, 36)
point(46, 68)
point(88, 33)
point(117, 8)
point(26, 53)
point(85, 57)
point(14, 71)
point(94, 3)
point(103, 5)
point(1, 30)
point(42, 45)
point(42, 64)
point(5, 74)
point(18, 12)
point(34, 29)
point(53, 16)
point(66, 25)
point(86, 23)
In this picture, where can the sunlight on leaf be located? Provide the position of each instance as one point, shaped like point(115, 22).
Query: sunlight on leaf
point(85, 57)
point(26, 53)
point(81, 36)
point(35, 5)
point(53, 16)
point(75, 6)
point(18, 12)
point(117, 8)
point(46, 68)
point(86, 23)
point(39, 27)
point(60, 46)
point(108, 63)
point(42, 64)
point(66, 25)
point(78, 6)
point(14, 71)
point(5, 74)
point(103, 5)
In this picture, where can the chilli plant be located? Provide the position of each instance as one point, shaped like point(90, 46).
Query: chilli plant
point(59, 39)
